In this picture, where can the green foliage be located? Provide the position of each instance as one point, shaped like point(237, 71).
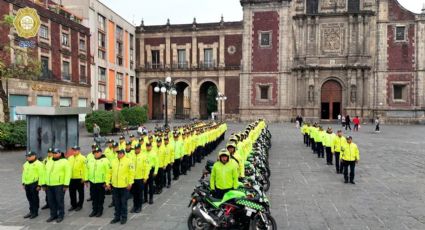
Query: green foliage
point(104, 119)
point(13, 134)
point(211, 102)
point(135, 115)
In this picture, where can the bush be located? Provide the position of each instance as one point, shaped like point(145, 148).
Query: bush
point(106, 120)
point(135, 115)
point(13, 134)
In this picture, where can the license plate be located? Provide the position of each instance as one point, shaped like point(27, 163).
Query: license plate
point(249, 211)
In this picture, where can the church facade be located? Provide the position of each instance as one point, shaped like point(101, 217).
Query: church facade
point(315, 58)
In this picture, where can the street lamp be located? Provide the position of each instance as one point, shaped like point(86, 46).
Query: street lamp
point(166, 87)
point(221, 98)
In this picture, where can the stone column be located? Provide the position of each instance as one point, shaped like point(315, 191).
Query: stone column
point(221, 51)
point(142, 52)
point(167, 51)
point(194, 51)
point(143, 91)
point(194, 98)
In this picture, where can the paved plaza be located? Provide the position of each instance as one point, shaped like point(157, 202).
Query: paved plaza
point(305, 193)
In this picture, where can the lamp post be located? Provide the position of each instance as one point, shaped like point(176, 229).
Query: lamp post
point(166, 87)
point(221, 98)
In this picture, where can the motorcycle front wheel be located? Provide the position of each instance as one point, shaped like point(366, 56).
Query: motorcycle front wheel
point(197, 223)
point(257, 223)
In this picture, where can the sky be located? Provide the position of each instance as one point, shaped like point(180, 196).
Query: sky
point(183, 11)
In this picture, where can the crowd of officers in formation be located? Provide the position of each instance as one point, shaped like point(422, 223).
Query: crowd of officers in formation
point(137, 167)
point(230, 165)
point(345, 151)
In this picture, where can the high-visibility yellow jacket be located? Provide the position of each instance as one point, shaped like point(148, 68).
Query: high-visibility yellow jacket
point(178, 149)
point(160, 151)
point(58, 172)
point(224, 176)
point(98, 170)
point(130, 154)
point(350, 152)
point(186, 147)
point(328, 139)
point(169, 153)
point(134, 143)
point(110, 154)
point(33, 172)
point(122, 173)
point(337, 143)
point(240, 162)
point(318, 137)
point(141, 166)
point(122, 145)
point(78, 165)
point(153, 160)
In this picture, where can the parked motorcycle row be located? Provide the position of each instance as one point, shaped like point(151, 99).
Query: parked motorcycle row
point(245, 208)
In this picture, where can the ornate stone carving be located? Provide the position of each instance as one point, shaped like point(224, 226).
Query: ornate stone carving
point(332, 38)
point(333, 4)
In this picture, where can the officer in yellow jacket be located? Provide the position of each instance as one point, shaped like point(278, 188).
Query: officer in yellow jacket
point(338, 142)
point(160, 151)
point(78, 178)
point(350, 157)
point(154, 166)
point(121, 179)
point(32, 180)
point(169, 160)
point(328, 138)
point(141, 175)
point(224, 175)
point(98, 171)
point(48, 158)
point(234, 155)
point(57, 178)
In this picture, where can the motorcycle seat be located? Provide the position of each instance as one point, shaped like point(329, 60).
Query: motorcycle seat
point(213, 199)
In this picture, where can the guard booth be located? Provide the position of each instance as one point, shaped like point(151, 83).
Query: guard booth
point(51, 127)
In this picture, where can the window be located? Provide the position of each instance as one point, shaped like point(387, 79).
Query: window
point(131, 88)
point(44, 32)
point(131, 59)
point(101, 54)
point(119, 33)
point(400, 92)
point(400, 34)
point(354, 6)
point(83, 75)
point(102, 74)
point(119, 86)
point(312, 6)
point(46, 101)
point(83, 44)
point(119, 51)
point(119, 93)
point(17, 100)
point(82, 103)
point(264, 92)
point(208, 58)
point(101, 39)
point(65, 39)
point(65, 102)
point(101, 90)
point(181, 59)
point(119, 79)
point(65, 71)
point(45, 66)
point(155, 59)
point(131, 41)
point(101, 22)
point(265, 39)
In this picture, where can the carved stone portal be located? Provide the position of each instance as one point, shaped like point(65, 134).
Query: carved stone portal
point(332, 38)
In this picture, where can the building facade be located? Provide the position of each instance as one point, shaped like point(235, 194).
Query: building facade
point(63, 48)
point(315, 58)
point(113, 51)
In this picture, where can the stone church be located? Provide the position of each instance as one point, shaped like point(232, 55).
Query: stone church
point(315, 58)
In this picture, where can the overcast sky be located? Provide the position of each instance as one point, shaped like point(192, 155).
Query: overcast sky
point(183, 11)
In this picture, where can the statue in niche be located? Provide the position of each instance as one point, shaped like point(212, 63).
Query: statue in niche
point(310, 93)
point(353, 94)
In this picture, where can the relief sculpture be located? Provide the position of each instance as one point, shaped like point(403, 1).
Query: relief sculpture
point(332, 36)
point(332, 4)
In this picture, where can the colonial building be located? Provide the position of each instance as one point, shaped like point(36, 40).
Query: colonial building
point(315, 58)
point(113, 50)
point(63, 48)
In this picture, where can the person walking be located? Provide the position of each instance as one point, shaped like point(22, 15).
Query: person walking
point(350, 157)
point(356, 122)
point(339, 119)
point(98, 171)
point(377, 123)
point(121, 179)
point(347, 122)
point(337, 144)
point(343, 121)
point(32, 180)
point(78, 178)
point(327, 142)
point(57, 178)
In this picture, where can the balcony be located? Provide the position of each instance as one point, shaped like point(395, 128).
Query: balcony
point(83, 79)
point(181, 66)
point(153, 66)
point(66, 76)
point(208, 65)
point(46, 74)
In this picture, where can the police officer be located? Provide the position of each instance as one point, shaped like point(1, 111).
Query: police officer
point(122, 143)
point(338, 142)
point(154, 166)
point(58, 177)
point(121, 179)
point(159, 179)
point(231, 147)
point(327, 142)
point(178, 154)
point(78, 178)
point(98, 171)
point(224, 175)
point(48, 158)
point(141, 169)
point(169, 160)
point(32, 180)
point(350, 157)
point(116, 147)
point(133, 141)
point(109, 151)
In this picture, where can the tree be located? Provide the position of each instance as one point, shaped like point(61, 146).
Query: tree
point(25, 66)
point(211, 102)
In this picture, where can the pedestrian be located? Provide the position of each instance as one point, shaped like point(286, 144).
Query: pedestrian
point(327, 142)
point(121, 179)
point(337, 144)
point(347, 122)
point(98, 171)
point(141, 175)
point(377, 123)
point(356, 122)
point(169, 160)
point(96, 130)
point(339, 118)
point(343, 121)
point(58, 176)
point(224, 175)
point(350, 157)
point(48, 158)
point(154, 166)
point(32, 180)
point(78, 178)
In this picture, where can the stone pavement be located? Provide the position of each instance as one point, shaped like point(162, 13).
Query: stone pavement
point(305, 192)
